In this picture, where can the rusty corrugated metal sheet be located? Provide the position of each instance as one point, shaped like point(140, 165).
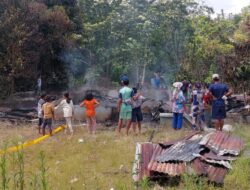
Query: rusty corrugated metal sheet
point(172, 169)
point(211, 155)
point(143, 154)
point(153, 163)
point(174, 158)
point(214, 173)
point(181, 151)
point(222, 143)
point(146, 154)
point(199, 167)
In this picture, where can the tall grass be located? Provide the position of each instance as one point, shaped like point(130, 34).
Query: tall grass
point(43, 171)
point(14, 177)
point(3, 168)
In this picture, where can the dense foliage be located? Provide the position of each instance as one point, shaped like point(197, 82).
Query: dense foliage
point(70, 42)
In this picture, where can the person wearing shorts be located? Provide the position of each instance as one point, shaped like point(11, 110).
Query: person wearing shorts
point(219, 92)
point(137, 116)
point(48, 115)
point(125, 105)
point(39, 110)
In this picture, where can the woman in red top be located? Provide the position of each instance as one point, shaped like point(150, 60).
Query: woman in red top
point(90, 103)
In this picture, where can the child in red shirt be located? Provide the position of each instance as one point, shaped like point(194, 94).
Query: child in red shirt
point(90, 103)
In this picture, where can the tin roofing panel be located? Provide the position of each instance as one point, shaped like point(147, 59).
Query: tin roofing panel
point(181, 151)
point(222, 143)
point(172, 169)
point(214, 173)
point(143, 154)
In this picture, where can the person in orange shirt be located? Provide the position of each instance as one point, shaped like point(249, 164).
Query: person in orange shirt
point(90, 103)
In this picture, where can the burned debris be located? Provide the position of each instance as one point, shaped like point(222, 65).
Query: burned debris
point(207, 155)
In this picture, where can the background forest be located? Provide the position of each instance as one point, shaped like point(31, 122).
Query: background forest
point(73, 42)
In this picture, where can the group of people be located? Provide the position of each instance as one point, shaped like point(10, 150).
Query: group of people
point(131, 100)
point(129, 108)
point(46, 109)
point(201, 97)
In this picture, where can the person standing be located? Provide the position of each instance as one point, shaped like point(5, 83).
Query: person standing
point(48, 114)
point(124, 105)
point(90, 103)
point(219, 92)
point(68, 109)
point(207, 102)
point(39, 84)
point(40, 112)
point(178, 100)
point(197, 108)
point(137, 116)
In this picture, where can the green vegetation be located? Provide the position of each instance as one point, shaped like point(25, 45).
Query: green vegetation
point(70, 42)
point(103, 161)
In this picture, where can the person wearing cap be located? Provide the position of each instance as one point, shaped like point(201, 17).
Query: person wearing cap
point(125, 105)
point(219, 92)
point(178, 100)
point(123, 77)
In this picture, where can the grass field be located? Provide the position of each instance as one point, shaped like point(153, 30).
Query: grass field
point(103, 161)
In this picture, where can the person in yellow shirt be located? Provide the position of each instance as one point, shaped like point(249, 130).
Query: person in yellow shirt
point(48, 114)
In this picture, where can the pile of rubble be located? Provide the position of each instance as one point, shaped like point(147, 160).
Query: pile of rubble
point(204, 155)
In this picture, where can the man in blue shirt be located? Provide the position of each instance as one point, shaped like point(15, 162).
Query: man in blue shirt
point(219, 92)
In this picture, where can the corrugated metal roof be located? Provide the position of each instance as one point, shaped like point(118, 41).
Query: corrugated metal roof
point(172, 169)
point(181, 151)
point(199, 167)
point(174, 158)
point(222, 143)
point(143, 156)
point(214, 173)
point(146, 154)
point(211, 155)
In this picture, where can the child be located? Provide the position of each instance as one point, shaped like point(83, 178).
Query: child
point(39, 110)
point(124, 105)
point(68, 108)
point(178, 100)
point(90, 103)
point(138, 100)
point(197, 108)
point(48, 114)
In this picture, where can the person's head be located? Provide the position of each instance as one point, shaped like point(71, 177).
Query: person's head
point(89, 96)
point(135, 90)
point(216, 77)
point(48, 99)
point(43, 96)
point(178, 85)
point(66, 96)
point(122, 79)
point(198, 86)
point(126, 82)
point(194, 87)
